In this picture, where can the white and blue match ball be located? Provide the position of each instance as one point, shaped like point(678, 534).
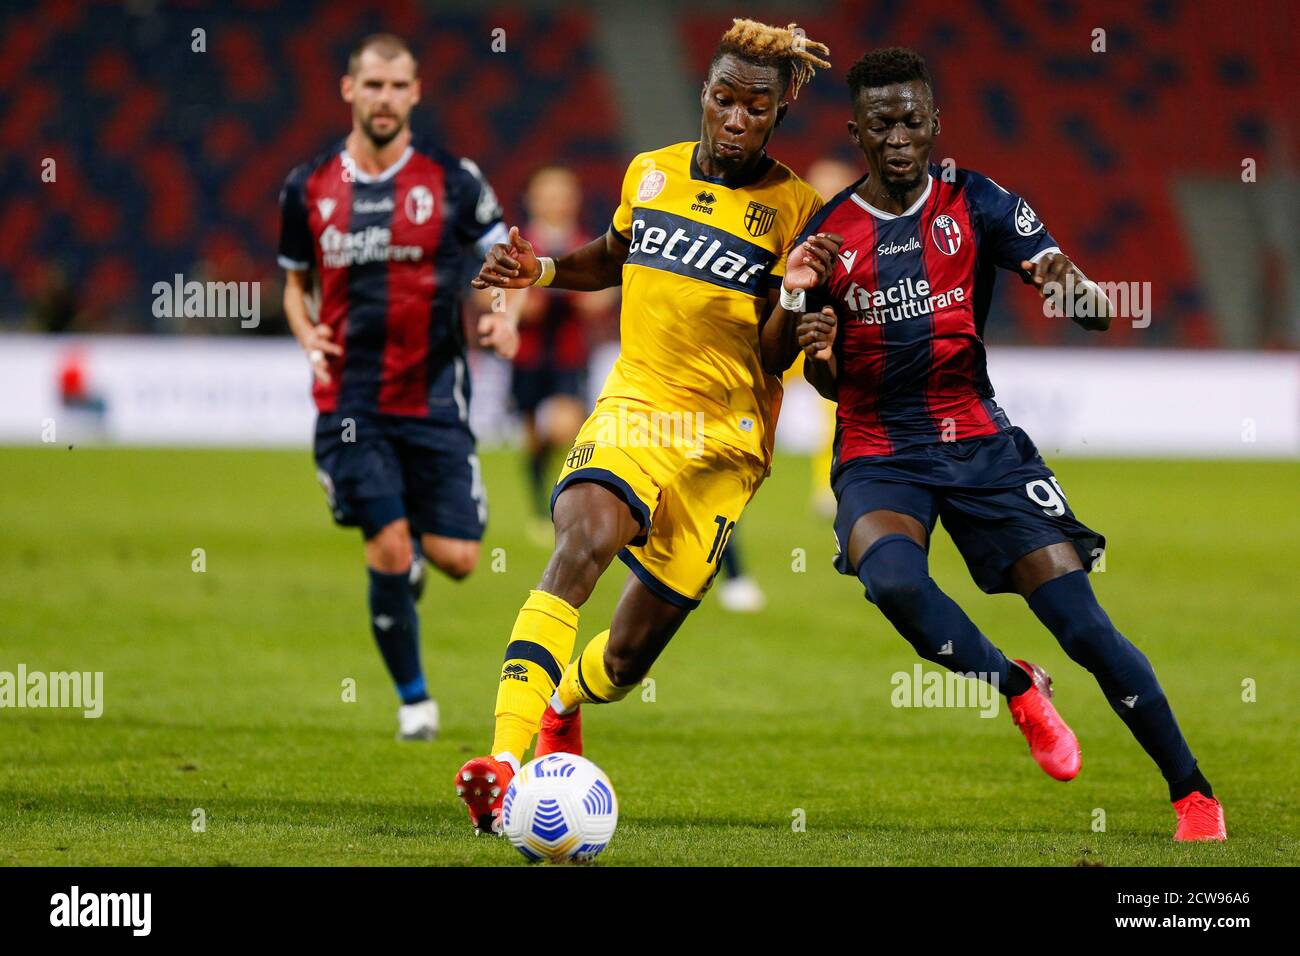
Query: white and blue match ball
point(558, 808)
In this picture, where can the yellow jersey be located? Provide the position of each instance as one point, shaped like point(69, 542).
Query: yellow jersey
point(702, 256)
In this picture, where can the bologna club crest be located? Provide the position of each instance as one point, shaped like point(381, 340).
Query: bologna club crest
point(946, 235)
point(419, 205)
point(759, 219)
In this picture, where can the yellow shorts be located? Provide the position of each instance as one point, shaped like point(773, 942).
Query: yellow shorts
point(687, 492)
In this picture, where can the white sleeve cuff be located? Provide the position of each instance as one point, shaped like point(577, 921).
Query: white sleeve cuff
point(287, 263)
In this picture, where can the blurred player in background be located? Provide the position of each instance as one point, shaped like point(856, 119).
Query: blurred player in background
point(549, 377)
point(381, 224)
point(899, 345)
point(738, 592)
point(701, 240)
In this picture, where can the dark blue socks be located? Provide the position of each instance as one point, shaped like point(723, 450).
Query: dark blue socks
point(1069, 609)
point(396, 627)
point(897, 580)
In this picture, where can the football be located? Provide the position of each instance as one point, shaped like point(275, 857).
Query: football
point(558, 808)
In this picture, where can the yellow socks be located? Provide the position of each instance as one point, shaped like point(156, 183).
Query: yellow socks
point(541, 642)
point(585, 679)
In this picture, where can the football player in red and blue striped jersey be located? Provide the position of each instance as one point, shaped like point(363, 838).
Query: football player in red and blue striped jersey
point(387, 222)
point(898, 343)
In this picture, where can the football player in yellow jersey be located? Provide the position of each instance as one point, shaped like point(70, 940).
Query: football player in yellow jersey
point(681, 436)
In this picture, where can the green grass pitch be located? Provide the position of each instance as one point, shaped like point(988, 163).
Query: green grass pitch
point(223, 689)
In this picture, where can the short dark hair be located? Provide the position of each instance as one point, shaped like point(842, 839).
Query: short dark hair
point(794, 56)
point(388, 45)
point(886, 66)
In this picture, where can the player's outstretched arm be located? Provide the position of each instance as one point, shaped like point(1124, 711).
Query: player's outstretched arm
point(1056, 277)
point(807, 267)
point(515, 265)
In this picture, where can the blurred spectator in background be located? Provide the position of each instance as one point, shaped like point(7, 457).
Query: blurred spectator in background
point(549, 378)
point(55, 308)
point(1246, 242)
point(829, 175)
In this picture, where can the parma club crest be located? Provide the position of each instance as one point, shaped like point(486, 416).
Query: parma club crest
point(759, 219)
point(579, 455)
point(946, 235)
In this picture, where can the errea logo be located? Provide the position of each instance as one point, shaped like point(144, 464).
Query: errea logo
point(515, 671)
point(704, 201)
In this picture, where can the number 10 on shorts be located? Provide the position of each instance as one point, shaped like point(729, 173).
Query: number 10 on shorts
point(720, 539)
point(1049, 497)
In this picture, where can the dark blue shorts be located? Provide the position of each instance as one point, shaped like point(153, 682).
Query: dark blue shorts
point(532, 386)
point(995, 496)
point(383, 467)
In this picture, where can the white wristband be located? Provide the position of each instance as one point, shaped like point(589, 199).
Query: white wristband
point(792, 301)
point(1100, 304)
point(548, 271)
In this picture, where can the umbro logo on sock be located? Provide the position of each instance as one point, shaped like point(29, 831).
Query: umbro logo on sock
point(515, 672)
point(1129, 701)
point(383, 622)
point(946, 649)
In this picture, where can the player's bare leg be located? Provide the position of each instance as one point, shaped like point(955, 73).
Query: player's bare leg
point(389, 550)
point(643, 625)
point(455, 557)
point(611, 665)
point(1053, 582)
point(888, 549)
point(592, 524)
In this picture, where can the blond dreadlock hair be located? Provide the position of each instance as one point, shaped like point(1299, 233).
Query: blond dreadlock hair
point(786, 48)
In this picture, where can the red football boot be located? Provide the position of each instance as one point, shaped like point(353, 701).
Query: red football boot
point(1051, 741)
point(559, 733)
point(1199, 818)
point(481, 784)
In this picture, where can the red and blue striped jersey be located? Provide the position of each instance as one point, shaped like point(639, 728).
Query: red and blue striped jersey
point(393, 256)
point(911, 294)
point(553, 332)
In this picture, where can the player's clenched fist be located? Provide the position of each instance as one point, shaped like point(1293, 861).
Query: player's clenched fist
point(809, 263)
point(318, 343)
point(498, 332)
point(816, 333)
point(1049, 271)
point(511, 265)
